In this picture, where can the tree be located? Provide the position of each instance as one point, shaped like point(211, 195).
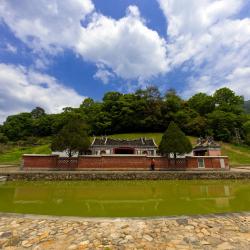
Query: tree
point(247, 106)
point(174, 141)
point(226, 100)
point(3, 138)
point(19, 126)
point(202, 103)
point(37, 112)
point(246, 128)
point(72, 138)
point(223, 124)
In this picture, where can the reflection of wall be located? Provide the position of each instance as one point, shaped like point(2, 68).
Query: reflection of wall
point(113, 197)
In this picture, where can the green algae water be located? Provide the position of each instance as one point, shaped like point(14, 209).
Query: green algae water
point(125, 198)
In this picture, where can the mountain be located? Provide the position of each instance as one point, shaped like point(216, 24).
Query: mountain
point(247, 106)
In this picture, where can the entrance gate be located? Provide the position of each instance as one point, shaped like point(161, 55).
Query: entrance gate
point(124, 150)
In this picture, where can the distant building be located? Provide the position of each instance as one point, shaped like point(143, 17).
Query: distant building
point(207, 147)
point(140, 146)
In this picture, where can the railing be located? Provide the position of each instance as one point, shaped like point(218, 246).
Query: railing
point(67, 162)
point(177, 163)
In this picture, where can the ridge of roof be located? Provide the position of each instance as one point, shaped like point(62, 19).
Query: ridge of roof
point(116, 141)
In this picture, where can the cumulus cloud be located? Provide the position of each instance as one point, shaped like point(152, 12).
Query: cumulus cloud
point(209, 37)
point(206, 36)
point(126, 46)
point(47, 24)
point(22, 89)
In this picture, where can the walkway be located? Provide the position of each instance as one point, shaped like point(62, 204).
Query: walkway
point(230, 231)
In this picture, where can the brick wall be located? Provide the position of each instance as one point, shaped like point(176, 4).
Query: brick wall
point(215, 162)
point(40, 161)
point(114, 162)
point(90, 162)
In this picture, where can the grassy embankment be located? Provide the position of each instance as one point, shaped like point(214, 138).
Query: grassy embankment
point(238, 155)
point(14, 154)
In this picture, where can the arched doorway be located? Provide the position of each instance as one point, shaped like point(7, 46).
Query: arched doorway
point(124, 151)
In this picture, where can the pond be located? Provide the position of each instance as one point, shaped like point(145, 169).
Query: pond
point(125, 198)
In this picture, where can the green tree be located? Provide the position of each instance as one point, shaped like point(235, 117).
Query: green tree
point(202, 103)
point(3, 138)
point(37, 112)
point(246, 128)
point(247, 106)
point(42, 126)
point(223, 124)
point(72, 138)
point(226, 100)
point(19, 126)
point(174, 142)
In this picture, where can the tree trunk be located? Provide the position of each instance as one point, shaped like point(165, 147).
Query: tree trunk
point(175, 160)
point(69, 158)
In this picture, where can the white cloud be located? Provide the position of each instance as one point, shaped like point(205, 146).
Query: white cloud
point(195, 17)
point(212, 39)
point(103, 74)
point(46, 24)
point(126, 46)
point(11, 48)
point(205, 36)
point(22, 89)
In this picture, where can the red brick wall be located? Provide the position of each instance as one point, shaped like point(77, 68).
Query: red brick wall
point(90, 162)
point(209, 162)
point(123, 162)
point(36, 161)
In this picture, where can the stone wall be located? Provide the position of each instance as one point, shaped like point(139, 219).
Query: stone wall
point(125, 175)
point(125, 162)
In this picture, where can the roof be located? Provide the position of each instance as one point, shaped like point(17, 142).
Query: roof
point(205, 143)
point(140, 142)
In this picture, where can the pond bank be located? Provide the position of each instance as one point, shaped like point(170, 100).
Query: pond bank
point(228, 231)
point(125, 175)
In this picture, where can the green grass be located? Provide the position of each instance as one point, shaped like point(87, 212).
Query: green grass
point(155, 136)
point(238, 155)
point(14, 155)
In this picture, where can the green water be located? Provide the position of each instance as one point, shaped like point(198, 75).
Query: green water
point(125, 198)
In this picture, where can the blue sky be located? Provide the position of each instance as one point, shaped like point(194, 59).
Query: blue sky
point(56, 53)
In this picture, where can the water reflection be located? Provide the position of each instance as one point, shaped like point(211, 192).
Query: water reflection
point(125, 198)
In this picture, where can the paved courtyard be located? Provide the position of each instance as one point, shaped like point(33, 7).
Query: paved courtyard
point(230, 231)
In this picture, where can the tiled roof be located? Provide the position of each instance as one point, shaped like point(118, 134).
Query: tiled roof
point(140, 142)
point(207, 142)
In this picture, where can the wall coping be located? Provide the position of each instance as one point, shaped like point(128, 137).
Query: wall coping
point(128, 155)
point(206, 156)
point(40, 155)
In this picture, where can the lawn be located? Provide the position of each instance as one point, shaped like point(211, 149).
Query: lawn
point(13, 156)
point(238, 155)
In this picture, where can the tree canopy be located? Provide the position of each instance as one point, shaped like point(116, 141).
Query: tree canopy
point(145, 110)
point(174, 141)
point(72, 138)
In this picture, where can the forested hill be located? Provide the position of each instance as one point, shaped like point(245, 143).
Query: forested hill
point(247, 106)
point(220, 115)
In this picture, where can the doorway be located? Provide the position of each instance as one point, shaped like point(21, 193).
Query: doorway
point(124, 151)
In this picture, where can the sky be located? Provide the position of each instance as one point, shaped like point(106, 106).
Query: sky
point(54, 53)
